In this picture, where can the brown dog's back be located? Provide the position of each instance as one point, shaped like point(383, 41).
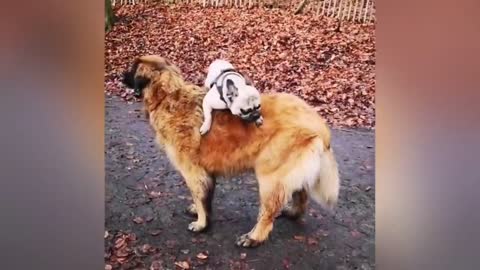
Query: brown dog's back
point(232, 146)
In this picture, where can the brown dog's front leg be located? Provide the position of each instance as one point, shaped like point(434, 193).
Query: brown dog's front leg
point(202, 189)
point(192, 209)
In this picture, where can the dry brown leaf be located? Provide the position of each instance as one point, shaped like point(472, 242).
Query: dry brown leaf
point(281, 52)
point(145, 248)
point(120, 242)
point(122, 253)
point(312, 241)
point(183, 264)
point(131, 237)
point(155, 232)
point(202, 256)
point(138, 220)
point(155, 194)
point(299, 237)
point(156, 265)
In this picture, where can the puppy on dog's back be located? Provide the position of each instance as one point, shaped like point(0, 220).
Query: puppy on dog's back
point(228, 89)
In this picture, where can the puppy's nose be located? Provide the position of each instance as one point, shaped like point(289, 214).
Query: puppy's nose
point(255, 115)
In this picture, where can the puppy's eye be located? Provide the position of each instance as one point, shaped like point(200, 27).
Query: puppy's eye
point(243, 112)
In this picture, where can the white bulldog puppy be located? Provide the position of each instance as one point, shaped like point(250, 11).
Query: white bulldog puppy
point(228, 89)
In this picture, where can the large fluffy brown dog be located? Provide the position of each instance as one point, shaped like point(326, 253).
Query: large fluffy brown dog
point(290, 154)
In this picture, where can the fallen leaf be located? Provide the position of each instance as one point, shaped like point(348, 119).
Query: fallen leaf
point(185, 251)
point(299, 237)
point(328, 69)
point(156, 265)
point(202, 256)
point(368, 188)
point(122, 260)
point(119, 242)
point(131, 237)
point(312, 241)
point(106, 234)
point(138, 220)
point(108, 267)
point(155, 232)
point(183, 264)
point(122, 253)
point(243, 256)
point(155, 194)
point(355, 233)
point(145, 248)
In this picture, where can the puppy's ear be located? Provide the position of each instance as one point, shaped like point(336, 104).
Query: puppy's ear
point(232, 90)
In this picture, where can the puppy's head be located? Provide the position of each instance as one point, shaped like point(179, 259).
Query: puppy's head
point(245, 101)
point(144, 70)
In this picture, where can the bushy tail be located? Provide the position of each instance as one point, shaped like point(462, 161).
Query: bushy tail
point(326, 188)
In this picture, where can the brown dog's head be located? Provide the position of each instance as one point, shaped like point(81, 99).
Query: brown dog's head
point(146, 69)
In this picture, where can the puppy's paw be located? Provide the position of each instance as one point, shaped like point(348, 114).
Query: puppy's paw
point(191, 210)
point(196, 226)
point(246, 241)
point(259, 121)
point(204, 129)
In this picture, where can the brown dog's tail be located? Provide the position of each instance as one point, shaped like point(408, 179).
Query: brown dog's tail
point(326, 187)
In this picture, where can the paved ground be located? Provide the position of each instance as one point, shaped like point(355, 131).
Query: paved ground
point(146, 198)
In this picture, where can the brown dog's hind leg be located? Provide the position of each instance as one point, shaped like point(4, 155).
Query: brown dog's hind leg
point(298, 206)
point(272, 199)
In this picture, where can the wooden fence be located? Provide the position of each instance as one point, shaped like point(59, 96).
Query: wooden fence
point(360, 11)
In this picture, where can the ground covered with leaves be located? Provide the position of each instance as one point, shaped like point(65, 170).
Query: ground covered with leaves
point(146, 226)
point(331, 67)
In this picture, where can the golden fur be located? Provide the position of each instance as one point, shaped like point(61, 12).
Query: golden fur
point(290, 153)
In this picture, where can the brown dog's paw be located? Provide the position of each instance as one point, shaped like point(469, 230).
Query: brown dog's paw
point(246, 241)
point(196, 227)
point(191, 210)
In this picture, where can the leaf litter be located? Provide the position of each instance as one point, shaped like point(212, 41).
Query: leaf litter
point(334, 71)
